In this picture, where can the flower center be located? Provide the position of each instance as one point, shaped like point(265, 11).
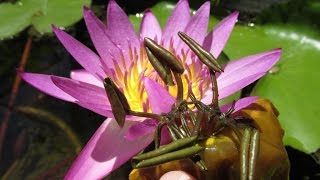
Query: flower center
point(195, 78)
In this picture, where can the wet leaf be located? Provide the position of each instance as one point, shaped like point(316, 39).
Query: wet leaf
point(61, 13)
point(16, 17)
point(39, 13)
point(293, 84)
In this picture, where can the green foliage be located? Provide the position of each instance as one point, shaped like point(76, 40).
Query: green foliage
point(40, 14)
point(293, 86)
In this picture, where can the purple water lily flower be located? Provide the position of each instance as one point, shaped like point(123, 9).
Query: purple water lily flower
point(121, 57)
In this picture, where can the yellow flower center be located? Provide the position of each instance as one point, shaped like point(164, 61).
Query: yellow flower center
point(131, 81)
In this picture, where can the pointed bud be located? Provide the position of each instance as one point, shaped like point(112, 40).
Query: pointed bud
point(164, 55)
point(118, 101)
point(206, 57)
point(163, 71)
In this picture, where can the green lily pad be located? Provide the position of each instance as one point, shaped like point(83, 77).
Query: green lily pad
point(292, 85)
point(39, 13)
point(16, 17)
point(61, 13)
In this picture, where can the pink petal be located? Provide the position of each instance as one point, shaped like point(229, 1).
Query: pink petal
point(240, 73)
point(85, 57)
point(240, 104)
point(177, 21)
point(159, 98)
point(102, 109)
point(120, 30)
point(165, 136)
point(106, 49)
point(218, 37)
point(85, 76)
point(236, 84)
point(149, 26)
point(83, 92)
point(197, 26)
point(264, 59)
point(141, 129)
point(106, 151)
point(44, 83)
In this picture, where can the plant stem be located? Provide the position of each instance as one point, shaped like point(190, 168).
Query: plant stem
point(13, 95)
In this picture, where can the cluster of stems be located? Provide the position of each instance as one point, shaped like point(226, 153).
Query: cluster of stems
point(189, 120)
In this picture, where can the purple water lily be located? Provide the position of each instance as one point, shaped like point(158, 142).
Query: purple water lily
point(121, 57)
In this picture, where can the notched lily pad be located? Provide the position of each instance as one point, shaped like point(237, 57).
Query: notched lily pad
point(39, 13)
point(18, 16)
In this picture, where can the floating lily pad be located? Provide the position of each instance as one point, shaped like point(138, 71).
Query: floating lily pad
point(292, 85)
point(61, 13)
point(39, 13)
point(18, 16)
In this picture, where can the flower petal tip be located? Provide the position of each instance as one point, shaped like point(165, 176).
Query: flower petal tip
point(235, 14)
point(276, 53)
point(279, 50)
point(86, 12)
point(112, 2)
point(54, 27)
point(86, 8)
point(21, 73)
point(18, 71)
point(24, 75)
point(207, 3)
point(147, 11)
point(57, 31)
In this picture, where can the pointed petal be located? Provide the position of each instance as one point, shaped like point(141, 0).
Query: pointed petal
point(242, 72)
point(104, 46)
point(85, 76)
point(218, 37)
point(150, 27)
point(44, 83)
point(159, 98)
point(85, 57)
point(106, 151)
point(102, 109)
point(141, 129)
point(236, 84)
point(83, 92)
point(177, 21)
point(120, 30)
point(240, 104)
point(197, 26)
point(265, 59)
